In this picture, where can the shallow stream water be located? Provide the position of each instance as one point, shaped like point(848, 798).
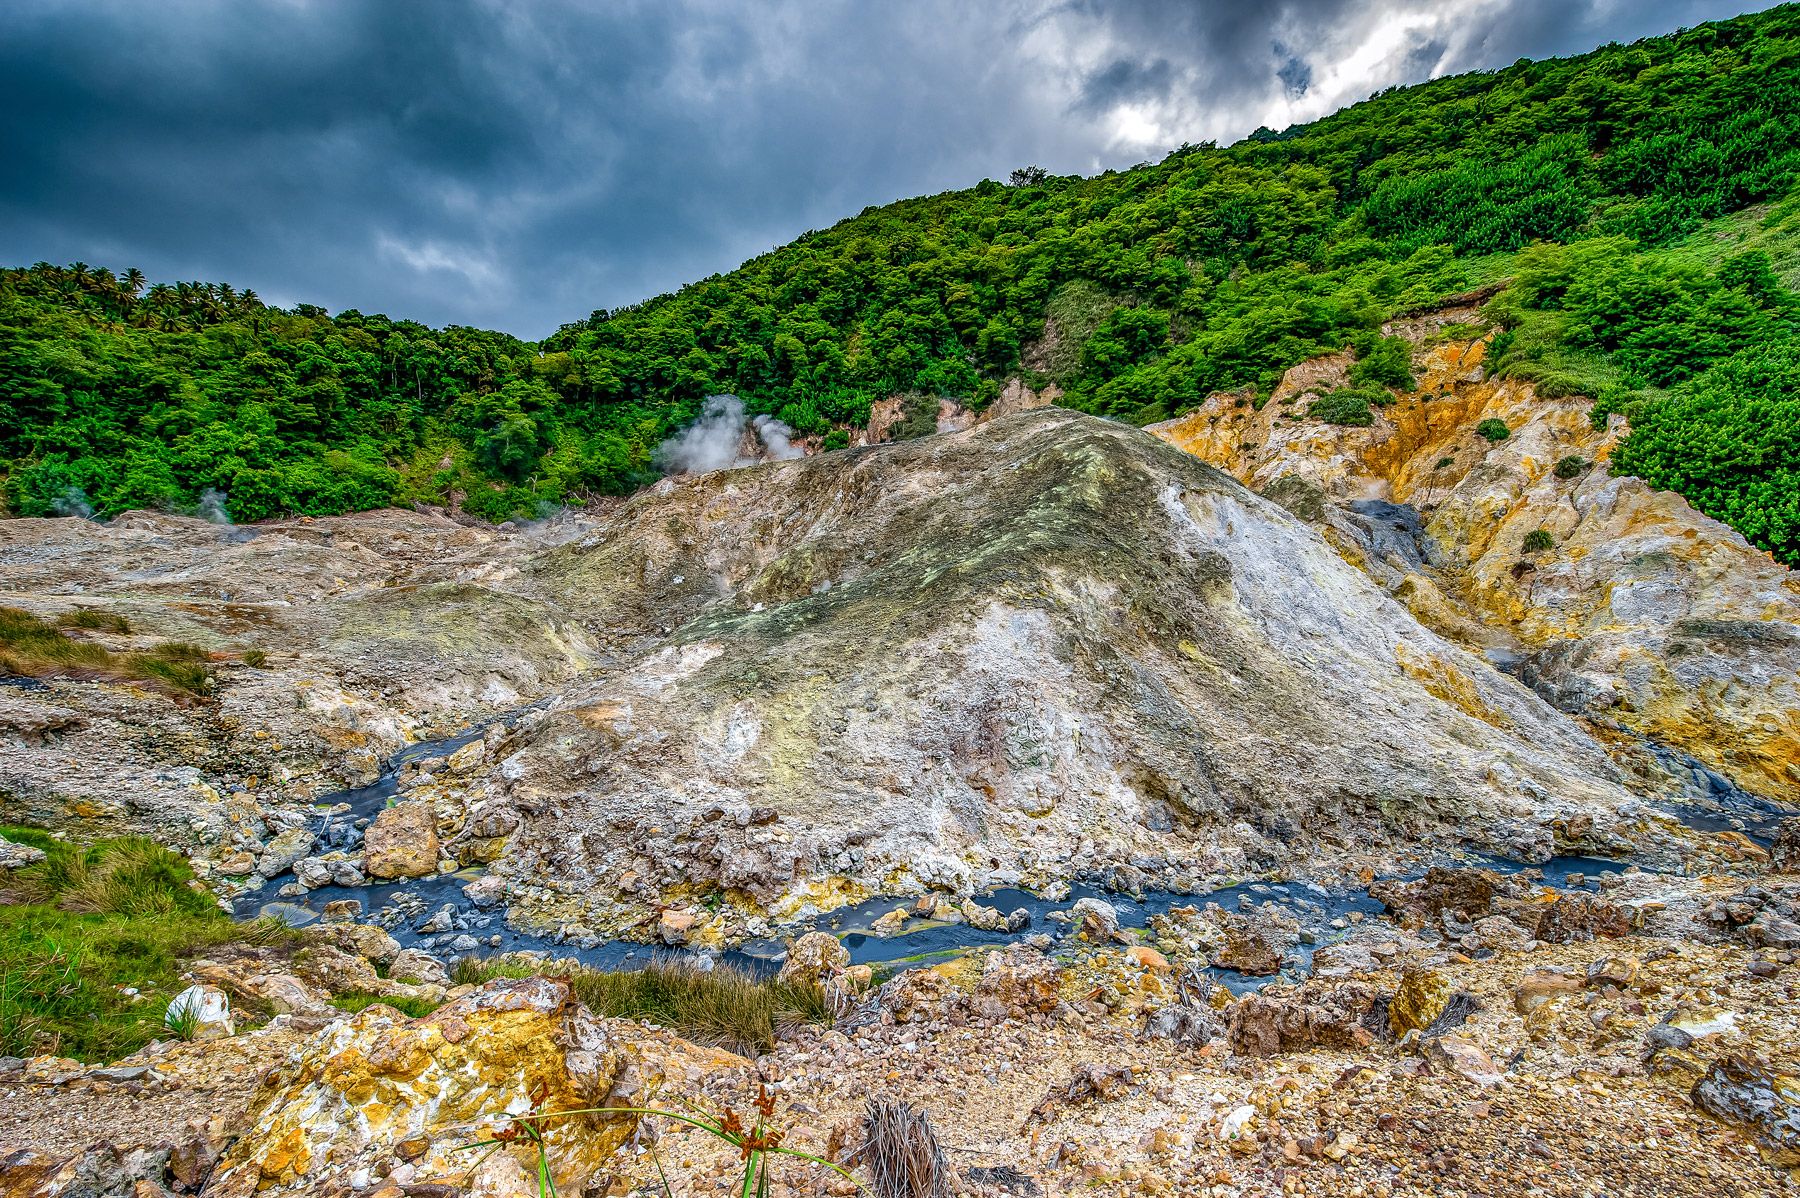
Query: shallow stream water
point(433, 914)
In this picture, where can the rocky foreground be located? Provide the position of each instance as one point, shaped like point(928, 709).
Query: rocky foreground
point(1484, 1035)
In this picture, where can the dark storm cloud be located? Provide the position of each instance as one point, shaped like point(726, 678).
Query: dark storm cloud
point(515, 164)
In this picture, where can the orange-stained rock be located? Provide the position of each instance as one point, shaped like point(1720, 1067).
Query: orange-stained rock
point(380, 1086)
point(1644, 612)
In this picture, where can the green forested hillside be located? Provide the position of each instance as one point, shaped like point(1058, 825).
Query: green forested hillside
point(1641, 197)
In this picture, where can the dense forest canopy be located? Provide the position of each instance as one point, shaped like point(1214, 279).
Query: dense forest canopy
point(1641, 198)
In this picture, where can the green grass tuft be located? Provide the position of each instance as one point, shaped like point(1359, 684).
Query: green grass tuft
point(359, 1000)
point(722, 1006)
point(85, 924)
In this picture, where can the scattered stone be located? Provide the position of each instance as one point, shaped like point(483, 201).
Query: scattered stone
point(1613, 971)
point(889, 924)
point(284, 851)
point(1465, 1058)
point(17, 856)
point(986, 919)
point(675, 925)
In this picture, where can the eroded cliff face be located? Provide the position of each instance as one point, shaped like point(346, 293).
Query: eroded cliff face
point(1643, 615)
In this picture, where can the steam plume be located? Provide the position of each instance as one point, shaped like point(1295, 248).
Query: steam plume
point(212, 506)
point(73, 502)
point(714, 441)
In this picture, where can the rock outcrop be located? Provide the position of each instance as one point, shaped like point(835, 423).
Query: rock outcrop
point(1641, 614)
point(382, 1095)
point(1040, 648)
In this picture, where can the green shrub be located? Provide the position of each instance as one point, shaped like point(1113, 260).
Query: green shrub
point(1538, 540)
point(1350, 406)
point(1571, 466)
point(256, 659)
point(837, 438)
point(1727, 441)
point(1442, 462)
point(1493, 430)
point(1385, 362)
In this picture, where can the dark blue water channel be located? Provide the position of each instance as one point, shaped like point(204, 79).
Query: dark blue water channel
point(433, 914)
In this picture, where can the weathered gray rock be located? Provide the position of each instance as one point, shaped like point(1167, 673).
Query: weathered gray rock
point(283, 851)
point(18, 856)
point(413, 965)
point(1765, 1102)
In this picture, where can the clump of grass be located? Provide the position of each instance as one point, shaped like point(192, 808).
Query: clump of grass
point(1539, 540)
point(86, 924)
point(256, 659)
point(1493, 429)
point(182, 1022)
point(723, 1006)
point(1569, 467)
point(37, 648)
point(360, 1000)
point(92, 620)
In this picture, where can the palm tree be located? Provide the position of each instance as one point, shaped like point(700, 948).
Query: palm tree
point(134, 280)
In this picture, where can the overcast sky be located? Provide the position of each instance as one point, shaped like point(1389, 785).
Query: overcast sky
point(515, 164)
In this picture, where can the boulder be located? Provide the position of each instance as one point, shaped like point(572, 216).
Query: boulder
point(985, 919)
point(1344, 1015)
point(1467, 894)
point(814, 959)
point(402, 842)
point(1096, 919)
point(1465, 1058)
point(363, 939)
point(200, 1012)
point(1249, 946)
point(489, 890)
point(379, 1088)
point(1784, 852)
point(17, 856)
point(284, 851)
point(1541, 986)
point(1584, 917)
point(1424, 995)
point(1764, 1102)
point(101, 1170)
point(414, 965)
